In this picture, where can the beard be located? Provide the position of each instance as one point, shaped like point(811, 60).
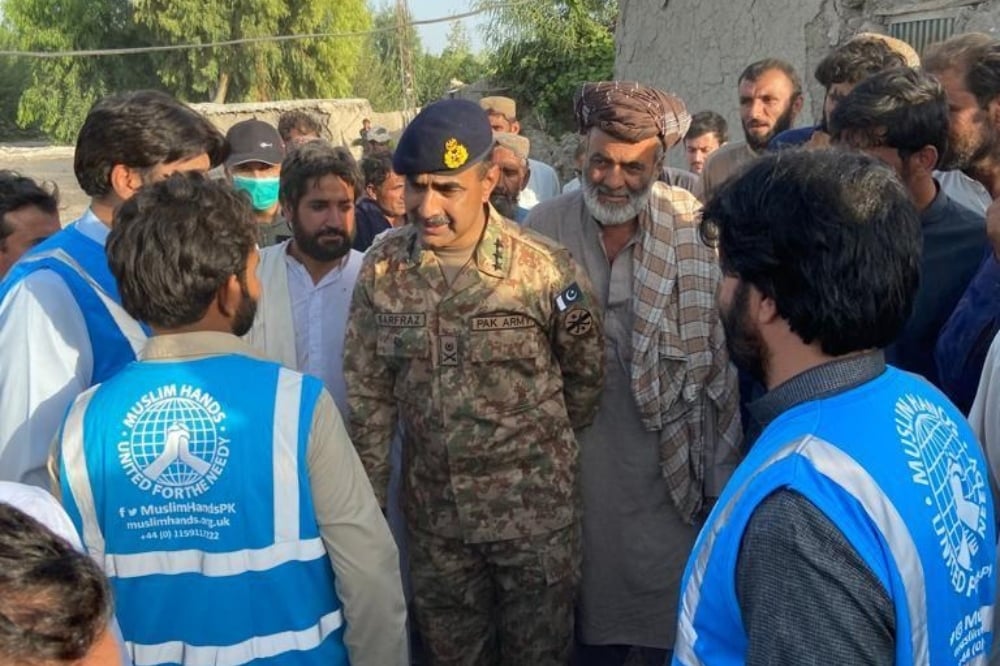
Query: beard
point(963, 155)
point(614, 214)
point(506, 204)
point(784, 122)
point(245, 314)
point(327, 244)
point(744, 342)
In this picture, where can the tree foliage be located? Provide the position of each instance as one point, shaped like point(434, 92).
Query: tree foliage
point(261, 71)
point(456, 62)
point(543, 50)
point(380, 77)
point(56, 93)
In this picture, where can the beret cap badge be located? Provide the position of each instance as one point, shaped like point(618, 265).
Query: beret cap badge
point(455, 154)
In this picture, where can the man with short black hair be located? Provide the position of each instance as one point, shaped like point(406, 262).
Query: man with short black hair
point(254, 167)
point(900, 116)
point(55, 605)
point(28, 215)
point(380, 206)
point(829, 543)
point(968, 67)
point(271, 524)
point(708, 132)
point(838, 73)
point(62, 328)
point(544, 181)
point(308, 280)
point(298, 127)
point(770, 95)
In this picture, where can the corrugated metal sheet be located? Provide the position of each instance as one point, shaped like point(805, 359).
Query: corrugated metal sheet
point(921, 33)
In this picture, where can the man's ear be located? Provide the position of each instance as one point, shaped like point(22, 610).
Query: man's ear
point(927, 157)
point(797, 106)
point(125, 181)
point(763, 308)
point(993, 108)
point(490, 180)
point(527, 177)
point(229, 297)
point(515, 127)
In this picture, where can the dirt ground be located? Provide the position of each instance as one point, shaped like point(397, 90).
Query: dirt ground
point(48, 163)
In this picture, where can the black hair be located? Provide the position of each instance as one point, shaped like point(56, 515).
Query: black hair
point(757, 69)
point(901, 108)
point(55, 603)
point(966, 53)
point(176, 243)
point(303, 167)
point(17, 191)
point(298, 121)
point(140, 130)
point(831, 236)
point(708, 122)
point(376, 167)
point(857, 60)
point(983, 77)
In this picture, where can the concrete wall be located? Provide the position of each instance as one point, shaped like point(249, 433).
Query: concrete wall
point(341, 117)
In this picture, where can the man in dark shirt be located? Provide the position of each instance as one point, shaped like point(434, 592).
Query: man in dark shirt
point(900, 116)
point(382, 205)
point(838, 73)
point(859, 529)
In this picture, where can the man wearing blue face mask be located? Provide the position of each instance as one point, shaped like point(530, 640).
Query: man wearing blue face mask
point(254, 167)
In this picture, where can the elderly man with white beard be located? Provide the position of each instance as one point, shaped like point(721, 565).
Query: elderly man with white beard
point(667, 434)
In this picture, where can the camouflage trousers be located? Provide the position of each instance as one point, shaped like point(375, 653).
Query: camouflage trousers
point(501, 603)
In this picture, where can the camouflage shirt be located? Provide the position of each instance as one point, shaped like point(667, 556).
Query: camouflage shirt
point(489, 375)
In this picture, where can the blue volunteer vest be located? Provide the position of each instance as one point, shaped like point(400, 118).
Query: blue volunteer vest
point(188, 481)
point(83, 266)
point(897, 469)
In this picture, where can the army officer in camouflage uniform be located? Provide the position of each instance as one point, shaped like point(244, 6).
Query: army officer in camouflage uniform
point(485, 339)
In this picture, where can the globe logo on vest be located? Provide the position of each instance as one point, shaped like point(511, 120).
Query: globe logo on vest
point(956, 486)
point(173, 443)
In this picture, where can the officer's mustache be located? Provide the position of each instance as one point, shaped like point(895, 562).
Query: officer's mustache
point(436, 221)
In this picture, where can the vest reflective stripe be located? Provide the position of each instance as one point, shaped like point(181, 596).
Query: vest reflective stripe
point(258, 647)
point(75, 471)
point(286, 455)
point(263, 598)
point(129, 327)
point(832, 462)
point(175, 562)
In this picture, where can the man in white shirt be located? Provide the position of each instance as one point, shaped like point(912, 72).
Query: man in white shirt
point(308, 280)
point(62, 328)
point(544, 181)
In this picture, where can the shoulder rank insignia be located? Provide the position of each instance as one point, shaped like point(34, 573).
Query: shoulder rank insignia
point(568, 296)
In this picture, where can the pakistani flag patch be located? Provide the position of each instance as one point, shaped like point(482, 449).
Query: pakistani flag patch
point(568, 297)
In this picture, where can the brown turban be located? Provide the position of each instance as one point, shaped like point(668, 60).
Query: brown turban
point(632, 112)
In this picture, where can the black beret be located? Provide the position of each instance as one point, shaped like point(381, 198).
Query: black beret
point(447, 136)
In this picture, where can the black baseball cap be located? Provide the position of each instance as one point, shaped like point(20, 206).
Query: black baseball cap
point(254, 141)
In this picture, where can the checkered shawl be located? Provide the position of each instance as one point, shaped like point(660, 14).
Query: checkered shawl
point(682, 380)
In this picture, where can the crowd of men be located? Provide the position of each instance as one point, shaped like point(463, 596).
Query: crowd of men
point(426, 408)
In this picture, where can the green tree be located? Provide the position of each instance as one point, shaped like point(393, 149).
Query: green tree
point(542, 51)
point(456, 62)
point(379, 77)
point(55, 94)
point(261, 71)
